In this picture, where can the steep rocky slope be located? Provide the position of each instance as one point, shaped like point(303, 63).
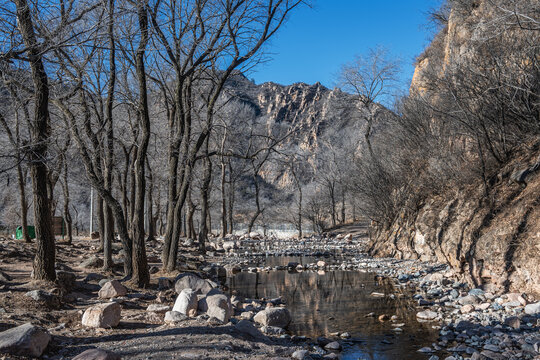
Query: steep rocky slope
point(492, 241)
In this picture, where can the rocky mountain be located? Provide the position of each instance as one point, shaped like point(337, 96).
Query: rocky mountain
point(321, 117)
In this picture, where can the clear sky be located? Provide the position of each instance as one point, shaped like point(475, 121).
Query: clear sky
point(316, 41)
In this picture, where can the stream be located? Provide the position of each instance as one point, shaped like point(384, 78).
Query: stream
point(322, 303)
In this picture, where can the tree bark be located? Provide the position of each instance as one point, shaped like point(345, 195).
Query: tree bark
point(230, 212)
point(205, 190)
point(141, 277)
point(67, 215)
point(44, 260)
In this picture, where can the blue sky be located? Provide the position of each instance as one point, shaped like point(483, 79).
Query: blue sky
point(315, 42)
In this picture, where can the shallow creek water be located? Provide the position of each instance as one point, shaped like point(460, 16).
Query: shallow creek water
point(338, 301)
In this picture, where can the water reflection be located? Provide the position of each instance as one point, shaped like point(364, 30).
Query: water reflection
point(325, 302)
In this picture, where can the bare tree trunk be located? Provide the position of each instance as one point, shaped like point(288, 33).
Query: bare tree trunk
point(223, 199)
point(231, 199)
point(40, 132)
point(189, 218)
point(141, 277)
point(342, 207)
point(205, 190)
point(67, 215)
point(101, 222)
point(149, 207)
point(300, 235)
point(257, 203)
point(108, 235)
point(108, 228)
point(23, 203)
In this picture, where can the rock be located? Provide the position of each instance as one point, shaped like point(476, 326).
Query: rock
point(247, 327)
point(321, 264)
point(174, 316)
point(427, 315)
point(331, 356)
point(333, 346)
point(279, 317)
point(66, 280)
point(532, 309)
point(186, 303)
point(105, 315)
point(97, 354)
point(345, 335)
point(45, 298)
point(322, 341)
point(425, 350)
point(25, 340)
point(483, 306)
point(513, 322)
point(158, 308)
point(194, 282)
point(516, 297)
point(229, 245)
point(384, 317)
point(476, 292)
point(468, 300)
point(112, 289)
point(301, 355)
point(213, 321)
point(465, 309)
point(92, 262)
point(403, 278)
point(272, 330)
point(219, 306)
point(247, 315)
point(292, 265)
point(165, 283)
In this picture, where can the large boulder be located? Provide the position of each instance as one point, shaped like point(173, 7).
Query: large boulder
point(105, 315)
point(219, 306)
point(25, 340)
point(112, 289)
point(247, 327)
point(97, 354)
point(186, 303)
point(279, 317)
point(192, 281)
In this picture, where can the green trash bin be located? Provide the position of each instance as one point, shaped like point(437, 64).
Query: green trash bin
point(31, 232)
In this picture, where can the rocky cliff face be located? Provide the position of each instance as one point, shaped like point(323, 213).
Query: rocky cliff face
point(320, 115)
point(492, 241)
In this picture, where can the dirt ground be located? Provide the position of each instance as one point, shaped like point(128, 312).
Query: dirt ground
point(140, 334)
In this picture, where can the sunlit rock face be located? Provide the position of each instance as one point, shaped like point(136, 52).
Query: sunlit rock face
point(322, 117)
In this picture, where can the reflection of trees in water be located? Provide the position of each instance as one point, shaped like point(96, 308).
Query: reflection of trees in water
point(345, 296)
point(313, 298)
